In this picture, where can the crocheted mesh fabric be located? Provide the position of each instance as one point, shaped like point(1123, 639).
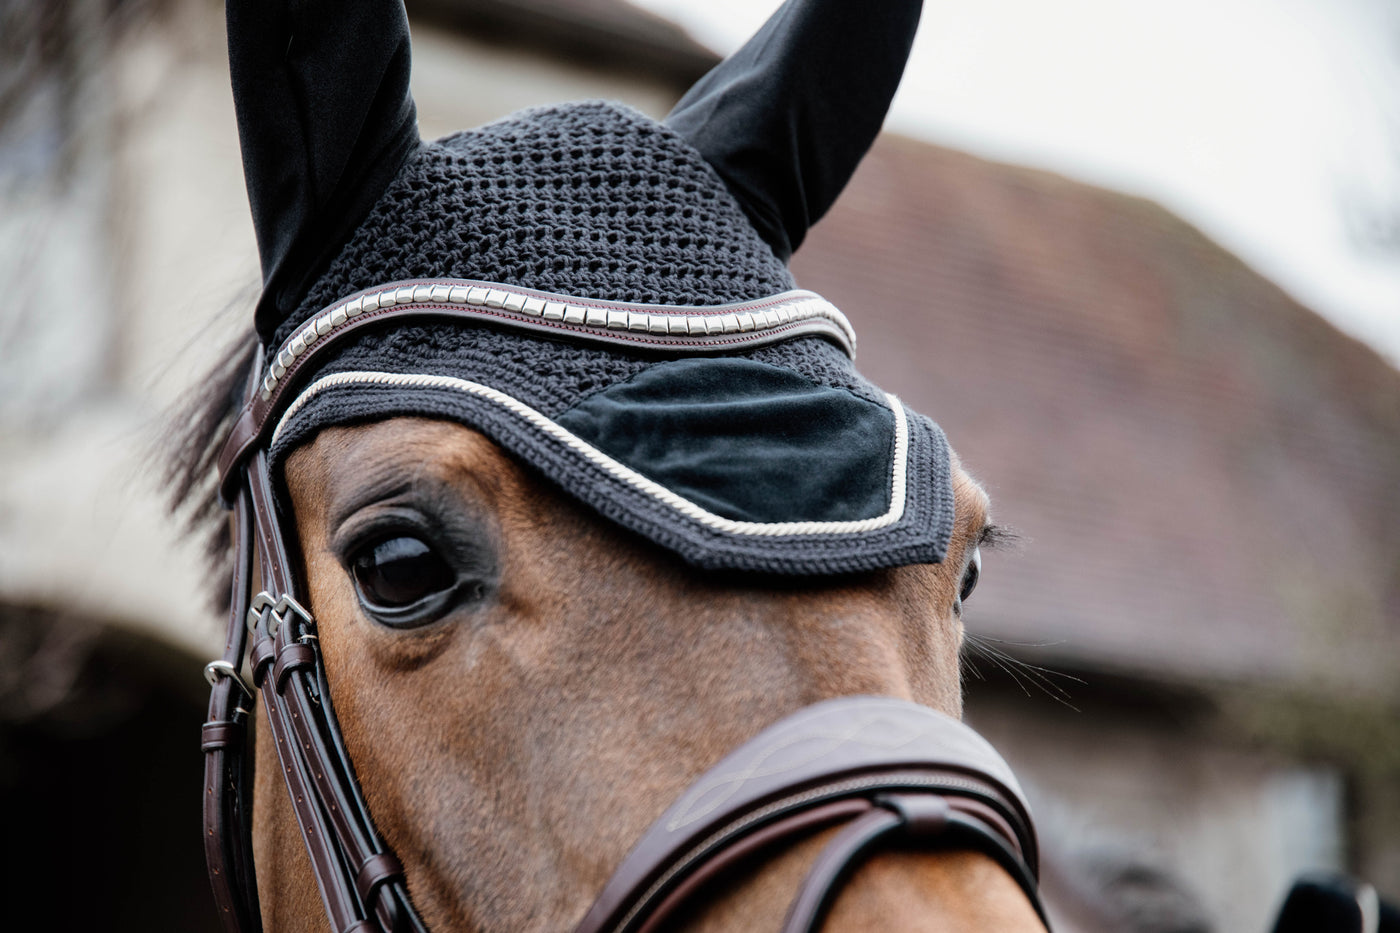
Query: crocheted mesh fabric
point(590, 199)
point(596, 201)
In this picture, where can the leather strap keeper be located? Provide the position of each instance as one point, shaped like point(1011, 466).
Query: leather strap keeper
point(291, 658)
point(264, 652)
point(376, 870)
point(222, 734)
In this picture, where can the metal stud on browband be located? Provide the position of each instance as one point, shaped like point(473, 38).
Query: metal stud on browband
point(672, 324)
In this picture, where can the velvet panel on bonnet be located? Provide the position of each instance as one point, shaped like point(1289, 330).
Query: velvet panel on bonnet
point(779, 458)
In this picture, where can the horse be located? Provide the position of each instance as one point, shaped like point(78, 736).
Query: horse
point(483, 693)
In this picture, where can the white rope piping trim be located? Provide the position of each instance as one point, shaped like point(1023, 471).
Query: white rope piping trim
point(627, 474)
point(792, 306)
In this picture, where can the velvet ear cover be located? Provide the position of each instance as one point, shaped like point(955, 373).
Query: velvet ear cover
point(786, 119)
point(325, 121)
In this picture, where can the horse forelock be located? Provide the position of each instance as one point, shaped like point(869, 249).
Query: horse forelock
point(189, 444)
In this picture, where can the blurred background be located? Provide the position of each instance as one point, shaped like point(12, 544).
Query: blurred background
point(1141, 261)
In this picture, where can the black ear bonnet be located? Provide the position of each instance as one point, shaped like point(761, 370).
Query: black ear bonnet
point(772, 455)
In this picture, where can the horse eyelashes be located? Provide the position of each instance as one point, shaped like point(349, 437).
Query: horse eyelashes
point(971, 575)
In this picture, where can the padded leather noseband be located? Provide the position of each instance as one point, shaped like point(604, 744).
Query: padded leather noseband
point(895, 772)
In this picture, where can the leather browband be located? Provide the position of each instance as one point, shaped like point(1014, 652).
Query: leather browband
point(665, 329)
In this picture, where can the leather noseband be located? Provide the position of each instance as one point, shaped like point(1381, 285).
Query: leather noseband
point(895, 772)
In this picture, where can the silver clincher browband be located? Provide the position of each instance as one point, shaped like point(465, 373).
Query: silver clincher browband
point(665, 329)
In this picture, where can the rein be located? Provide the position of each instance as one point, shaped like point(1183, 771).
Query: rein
point(894, 773)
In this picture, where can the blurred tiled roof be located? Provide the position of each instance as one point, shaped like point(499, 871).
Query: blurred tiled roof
point(1206, 474)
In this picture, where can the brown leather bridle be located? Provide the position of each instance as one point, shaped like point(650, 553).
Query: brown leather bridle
point(892, 772)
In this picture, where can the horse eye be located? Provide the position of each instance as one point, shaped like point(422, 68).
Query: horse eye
point(399, 572)
point(971, 575)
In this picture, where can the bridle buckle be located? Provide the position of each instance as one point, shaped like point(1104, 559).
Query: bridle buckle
point(221, 668)
point(280, 607)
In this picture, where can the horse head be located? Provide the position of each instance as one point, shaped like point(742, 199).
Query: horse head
point(514, 749)
point(580, 513)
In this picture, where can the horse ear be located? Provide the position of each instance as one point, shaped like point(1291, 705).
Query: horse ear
point(787, 118)
point(325, 121)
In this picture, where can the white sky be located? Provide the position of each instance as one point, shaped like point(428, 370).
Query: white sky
point(1270, 124)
